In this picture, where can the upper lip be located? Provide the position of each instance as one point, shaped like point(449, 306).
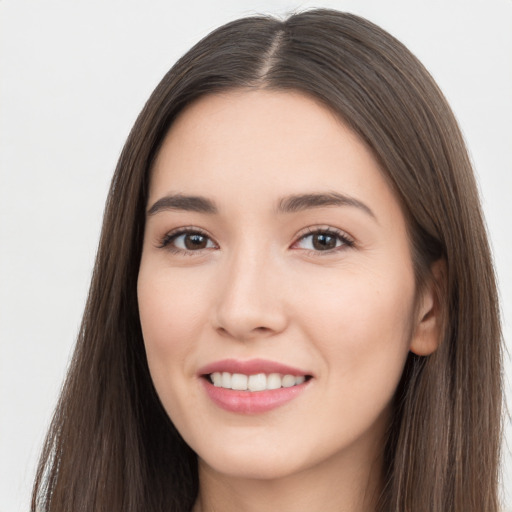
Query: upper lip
point(250, 367)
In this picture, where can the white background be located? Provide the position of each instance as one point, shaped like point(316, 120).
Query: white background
point(74, 75)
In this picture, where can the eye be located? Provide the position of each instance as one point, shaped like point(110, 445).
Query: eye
point(186, 241)
point(323, 240)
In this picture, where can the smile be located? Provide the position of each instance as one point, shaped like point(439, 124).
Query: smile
point(254, 386)
point(254, 383)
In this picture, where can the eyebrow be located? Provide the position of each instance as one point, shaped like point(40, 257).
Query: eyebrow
point(289, 204)
point(300, 202)
point(186, 203)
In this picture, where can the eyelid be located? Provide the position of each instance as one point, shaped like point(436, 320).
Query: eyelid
point(347, 240)
point(166, 241)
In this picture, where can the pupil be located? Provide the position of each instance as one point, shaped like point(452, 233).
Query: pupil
point(195, 242)
point(324, 242)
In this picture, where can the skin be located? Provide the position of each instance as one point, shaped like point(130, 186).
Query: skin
point(259, 288)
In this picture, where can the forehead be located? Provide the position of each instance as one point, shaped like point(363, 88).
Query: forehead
point(252, 144)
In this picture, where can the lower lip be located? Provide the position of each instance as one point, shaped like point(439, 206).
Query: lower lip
point(252, 402)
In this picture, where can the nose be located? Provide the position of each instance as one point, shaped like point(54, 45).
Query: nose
point(250, 301)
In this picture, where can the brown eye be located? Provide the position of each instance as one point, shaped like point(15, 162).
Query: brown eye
point(195, 241)
point(323, 241)
point(188, 241)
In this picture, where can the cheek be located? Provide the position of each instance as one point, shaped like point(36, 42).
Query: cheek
point(169, 305)
point(363, 327)
point(169, 314)
point(360, 300)
point(362, 333)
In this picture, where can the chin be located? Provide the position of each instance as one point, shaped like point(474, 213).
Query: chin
point(255, 467)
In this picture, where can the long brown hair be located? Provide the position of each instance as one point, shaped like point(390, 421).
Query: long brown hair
point(111, 446)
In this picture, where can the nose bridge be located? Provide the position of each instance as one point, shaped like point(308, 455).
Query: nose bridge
point(249, 303)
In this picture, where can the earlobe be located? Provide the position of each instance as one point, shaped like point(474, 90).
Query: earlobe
point(429, 320)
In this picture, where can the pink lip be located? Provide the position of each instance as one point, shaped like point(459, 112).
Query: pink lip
point(246, 402)
point(250, 367)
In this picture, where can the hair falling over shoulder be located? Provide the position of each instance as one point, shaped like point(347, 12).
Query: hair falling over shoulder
point(112, 447)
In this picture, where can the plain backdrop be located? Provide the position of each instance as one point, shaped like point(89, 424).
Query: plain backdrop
point(73, 77)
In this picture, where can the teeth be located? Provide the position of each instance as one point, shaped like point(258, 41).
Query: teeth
point(288, 381)
point(274, 381)
point(258, 382)
point(226, 380)
point(239, 381)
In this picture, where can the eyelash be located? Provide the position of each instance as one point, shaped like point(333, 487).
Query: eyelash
point(346, 241)
point(169, 238)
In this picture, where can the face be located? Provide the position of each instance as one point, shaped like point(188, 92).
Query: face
point(275, 262)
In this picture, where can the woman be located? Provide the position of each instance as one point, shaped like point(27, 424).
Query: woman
point(293, 304)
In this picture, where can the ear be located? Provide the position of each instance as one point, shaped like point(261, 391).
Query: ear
point(429, 319)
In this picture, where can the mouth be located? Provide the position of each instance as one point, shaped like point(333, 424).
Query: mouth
point(254, 386)
point(256, 382)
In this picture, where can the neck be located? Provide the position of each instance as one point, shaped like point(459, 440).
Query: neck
point(334, 485)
